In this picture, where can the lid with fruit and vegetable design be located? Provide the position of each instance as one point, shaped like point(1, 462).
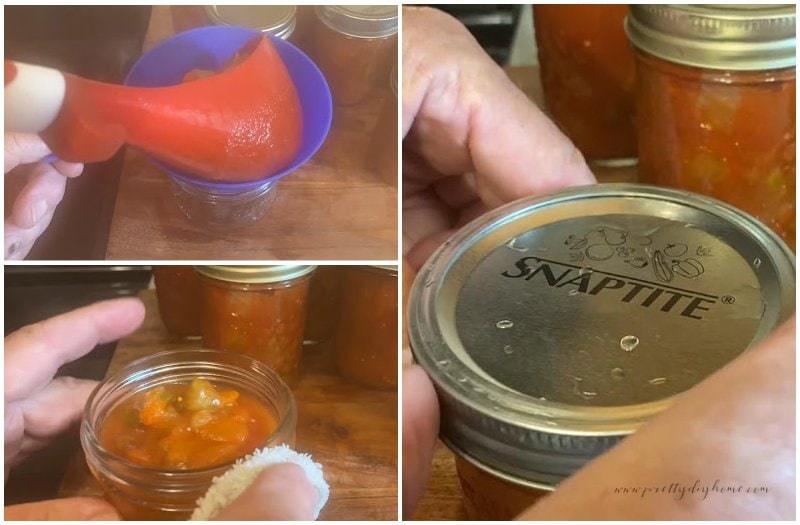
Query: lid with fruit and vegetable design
point(553, 327)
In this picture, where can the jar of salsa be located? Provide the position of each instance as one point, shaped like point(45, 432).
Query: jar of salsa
point(324, 302)
point(716, 104)
point(355, 46)
point(384, 145)
point(179, 300)
point(157, 432)
point(366, 339)
point(276, 20)
point(587, 72)
point(259, 311)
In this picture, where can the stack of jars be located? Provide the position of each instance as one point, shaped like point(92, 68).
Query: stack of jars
point(261, 311)
point(703, 95)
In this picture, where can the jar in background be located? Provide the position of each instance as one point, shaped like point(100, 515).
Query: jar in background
point(355, 47)
point(324, 302)
point(141, 493)
point(587, 72)
point(716, 104)
point(179, 299)
point(221, 207)
point(366, 338)
point(383, 151)
point(259, 311)
point(276, 20)
point(527, 396)
point(186, 17)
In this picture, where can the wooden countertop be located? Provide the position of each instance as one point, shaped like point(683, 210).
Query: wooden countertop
point(350, 430)
point(443, 499)
point(333, 207)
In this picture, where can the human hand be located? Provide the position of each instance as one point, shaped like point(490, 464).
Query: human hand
point(34, 206)
point(472, 140)
point(38, 407)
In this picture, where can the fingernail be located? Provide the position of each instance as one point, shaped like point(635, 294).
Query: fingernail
point(38, 210)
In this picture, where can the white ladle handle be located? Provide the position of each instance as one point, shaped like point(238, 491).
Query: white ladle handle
point(33, 97)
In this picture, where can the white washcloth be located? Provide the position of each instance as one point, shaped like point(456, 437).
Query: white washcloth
point(226, 488)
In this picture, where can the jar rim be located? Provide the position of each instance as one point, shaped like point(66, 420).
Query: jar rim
point(249, 274)
point(360, 21)
point(129, 373)
point(281, 18)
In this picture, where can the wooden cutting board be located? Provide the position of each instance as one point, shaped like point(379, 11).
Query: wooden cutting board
point(350, 430)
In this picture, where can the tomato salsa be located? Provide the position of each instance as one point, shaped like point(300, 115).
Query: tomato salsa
point(182, 426)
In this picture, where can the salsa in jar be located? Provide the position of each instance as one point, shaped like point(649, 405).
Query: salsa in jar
point(179, 300)
point(355, 47)
point(324, 300)
point(587, 72)
point(723, 124)
point(366, 339)
point(258, 311)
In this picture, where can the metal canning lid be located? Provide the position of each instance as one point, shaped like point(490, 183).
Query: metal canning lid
point(554, 327)
point(738, 37)
point(277, 20)
point(256, 274)
point(360, 21)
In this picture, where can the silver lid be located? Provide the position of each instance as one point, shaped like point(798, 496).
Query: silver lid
point(277, 20)
point(554, 327)
point(360, 21)
point(736, 37)
point(256, 274)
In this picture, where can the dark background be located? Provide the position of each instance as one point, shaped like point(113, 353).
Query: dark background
point(100, 43)
point(493, 25)
point(35, 293)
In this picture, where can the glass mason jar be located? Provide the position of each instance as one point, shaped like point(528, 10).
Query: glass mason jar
point(384, 140)
point(355, 47)
point(142, 493)
point(324, 300)
point(587, 72)
point(221, 207)
point(259, 311)
point(179, 300)
point(366, 339)
point(716, 104)
point(276, 20)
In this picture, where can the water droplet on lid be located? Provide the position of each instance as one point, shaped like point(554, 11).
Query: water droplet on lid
point(512, 244)
point(508, 350)
point(629, 342)
point(658, 380)
point(576, 388)
point(462, 379)
point(584, 271)
point(443, 362)
point(574, 292)
point(757, 262)
point(504, 324)
point(542, 398)
point(618, 373)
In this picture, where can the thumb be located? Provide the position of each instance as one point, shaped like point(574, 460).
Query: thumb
point(420, 428)
point(281, 492)
point(72, 509)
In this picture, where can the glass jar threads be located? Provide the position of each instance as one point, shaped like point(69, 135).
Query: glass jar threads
point(587, 72)
point(366, 338)
point(276, 20)
point(355, 47)
point(715, 103)
point(259, 311)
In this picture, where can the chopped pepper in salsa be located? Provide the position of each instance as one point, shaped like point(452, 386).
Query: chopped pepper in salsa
point(187, 426)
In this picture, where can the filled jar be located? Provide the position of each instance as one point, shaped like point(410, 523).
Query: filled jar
point(716, 104)
point(324, 302)
point(276, 20)
point(384, 140)
point(587, 72)
point(366, 338)
point(259, 311)
point(158, 431)
point(355, 47)
point(179, 300)
point(554, 327)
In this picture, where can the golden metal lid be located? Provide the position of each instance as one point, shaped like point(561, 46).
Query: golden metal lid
point(277, 20)
point(738, 37)
point(256, 274)
point(360, 21)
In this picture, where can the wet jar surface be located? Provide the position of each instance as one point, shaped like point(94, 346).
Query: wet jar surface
point(727, 134)
point(366, 339)
point(179, 299)
point(265, 321)
point(587, 71)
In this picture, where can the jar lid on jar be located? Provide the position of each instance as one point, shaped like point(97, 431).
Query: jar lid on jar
point(360, 21)
point(256, 274)
point(552, 328)
point(730, 37)
point(277, 20)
